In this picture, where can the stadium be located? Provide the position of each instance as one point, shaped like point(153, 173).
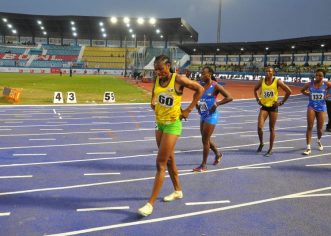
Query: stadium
point(78, 151)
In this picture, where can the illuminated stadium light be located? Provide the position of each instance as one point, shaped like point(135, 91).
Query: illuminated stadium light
point(133, 36)
point(14, 31)
point(101, 23)
point(128, 25)
point(102, 29)
point(42, 27)
point(218, 49)
point(104, 35)
point(161, 36)
point(113, 20)
point(140, 20)
point(130, 30)
point(266, 48)
point(39, 22)
point(73, 28)
point(158, 31)
point(4, 20)
point(45, 33)
point(126, 20)
point(293, 47)
point(322, 45)
point(72, 23)
point(241, 49)
point(74, 34)
point(9, 26)
point(152, 21)
point(194, 49)
point(191, 36)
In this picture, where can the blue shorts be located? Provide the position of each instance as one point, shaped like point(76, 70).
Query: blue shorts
point(210, 118)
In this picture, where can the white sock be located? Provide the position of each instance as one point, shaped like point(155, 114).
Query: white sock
point(308, 146)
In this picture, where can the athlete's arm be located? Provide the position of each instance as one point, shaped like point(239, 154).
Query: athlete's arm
point(287, 91)
point(226, 97)
point(304, 89)
point(328, 86)
point(153, 97)
point(184, 82)
point(256, 89)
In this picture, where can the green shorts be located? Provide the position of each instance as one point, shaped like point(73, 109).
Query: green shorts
point(172, 128)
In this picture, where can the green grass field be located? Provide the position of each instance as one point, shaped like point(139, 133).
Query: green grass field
point(40, 88)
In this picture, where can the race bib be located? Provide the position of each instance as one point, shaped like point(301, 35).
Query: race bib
point(166, 100)
point(317, 96)
point(203, 106)
point(268, 93)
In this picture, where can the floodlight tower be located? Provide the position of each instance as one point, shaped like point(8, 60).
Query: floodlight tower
point(219, 22)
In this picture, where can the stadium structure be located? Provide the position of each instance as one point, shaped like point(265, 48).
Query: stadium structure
point(127, 46)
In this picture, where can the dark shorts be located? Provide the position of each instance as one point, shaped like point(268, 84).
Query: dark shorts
point(269, 109)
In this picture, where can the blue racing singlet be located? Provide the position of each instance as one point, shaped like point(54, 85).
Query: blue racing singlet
point(207, 100)
point(317, 97)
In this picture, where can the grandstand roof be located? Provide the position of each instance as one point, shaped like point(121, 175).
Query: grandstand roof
point(301, 45)
point(87, 27)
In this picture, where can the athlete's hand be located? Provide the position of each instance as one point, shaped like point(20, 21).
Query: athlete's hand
point(213, 108)
point(153, 106)
point(184, 114)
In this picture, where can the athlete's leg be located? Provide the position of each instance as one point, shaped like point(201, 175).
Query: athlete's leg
point(272, 123)
point(263, 115)
point(310, 125)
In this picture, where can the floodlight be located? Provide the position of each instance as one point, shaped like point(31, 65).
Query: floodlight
point(266, 48)
point(44, 32)
point(72, 23)
point(73, 28)
point(152, 21)
point(130, 30)
point(39, 22)
point(74, 34)
point(4, 20)
point(104, 35)
point(113, 20)
point(101, 23)
point(9, 26)
point(293, 47)
point(102, 29)
point(161, 36)
point(218, 49)
point(322, 45)
point(241, 49)
point(158, 31)
point(140, 20)
point(133, 36)
point(14, 31)
point(126, 20)
point(42, 27)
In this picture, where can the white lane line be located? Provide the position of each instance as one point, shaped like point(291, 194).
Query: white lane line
point(100, 138)
point(54, 111)
point(312, 195)
point(13, 122)
point(100, 129)
point(206, 203)
point(326, 146)
point(283, 147)
point(5, 129)
point(253, 167)
point(231, 149)
point(149, 178)
point(56, 122)
point(248, 135)
point(101, 123)
point(182, 171)
point(50, 129)
point(325, 164)
point(4, 213)
point(104, 208)
point(185, 215)
point(101, 174)
point(16, 176)
point(100, 153)
point(29, 154)
point(42, 139)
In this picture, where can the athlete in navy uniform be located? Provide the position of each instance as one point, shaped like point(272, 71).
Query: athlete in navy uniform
point(316, 90)
point(207, 108)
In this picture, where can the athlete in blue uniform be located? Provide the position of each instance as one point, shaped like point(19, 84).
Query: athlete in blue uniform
point(316, 90)
point(207, 108)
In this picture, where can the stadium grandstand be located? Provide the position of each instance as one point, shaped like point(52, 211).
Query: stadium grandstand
point(128, 46)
